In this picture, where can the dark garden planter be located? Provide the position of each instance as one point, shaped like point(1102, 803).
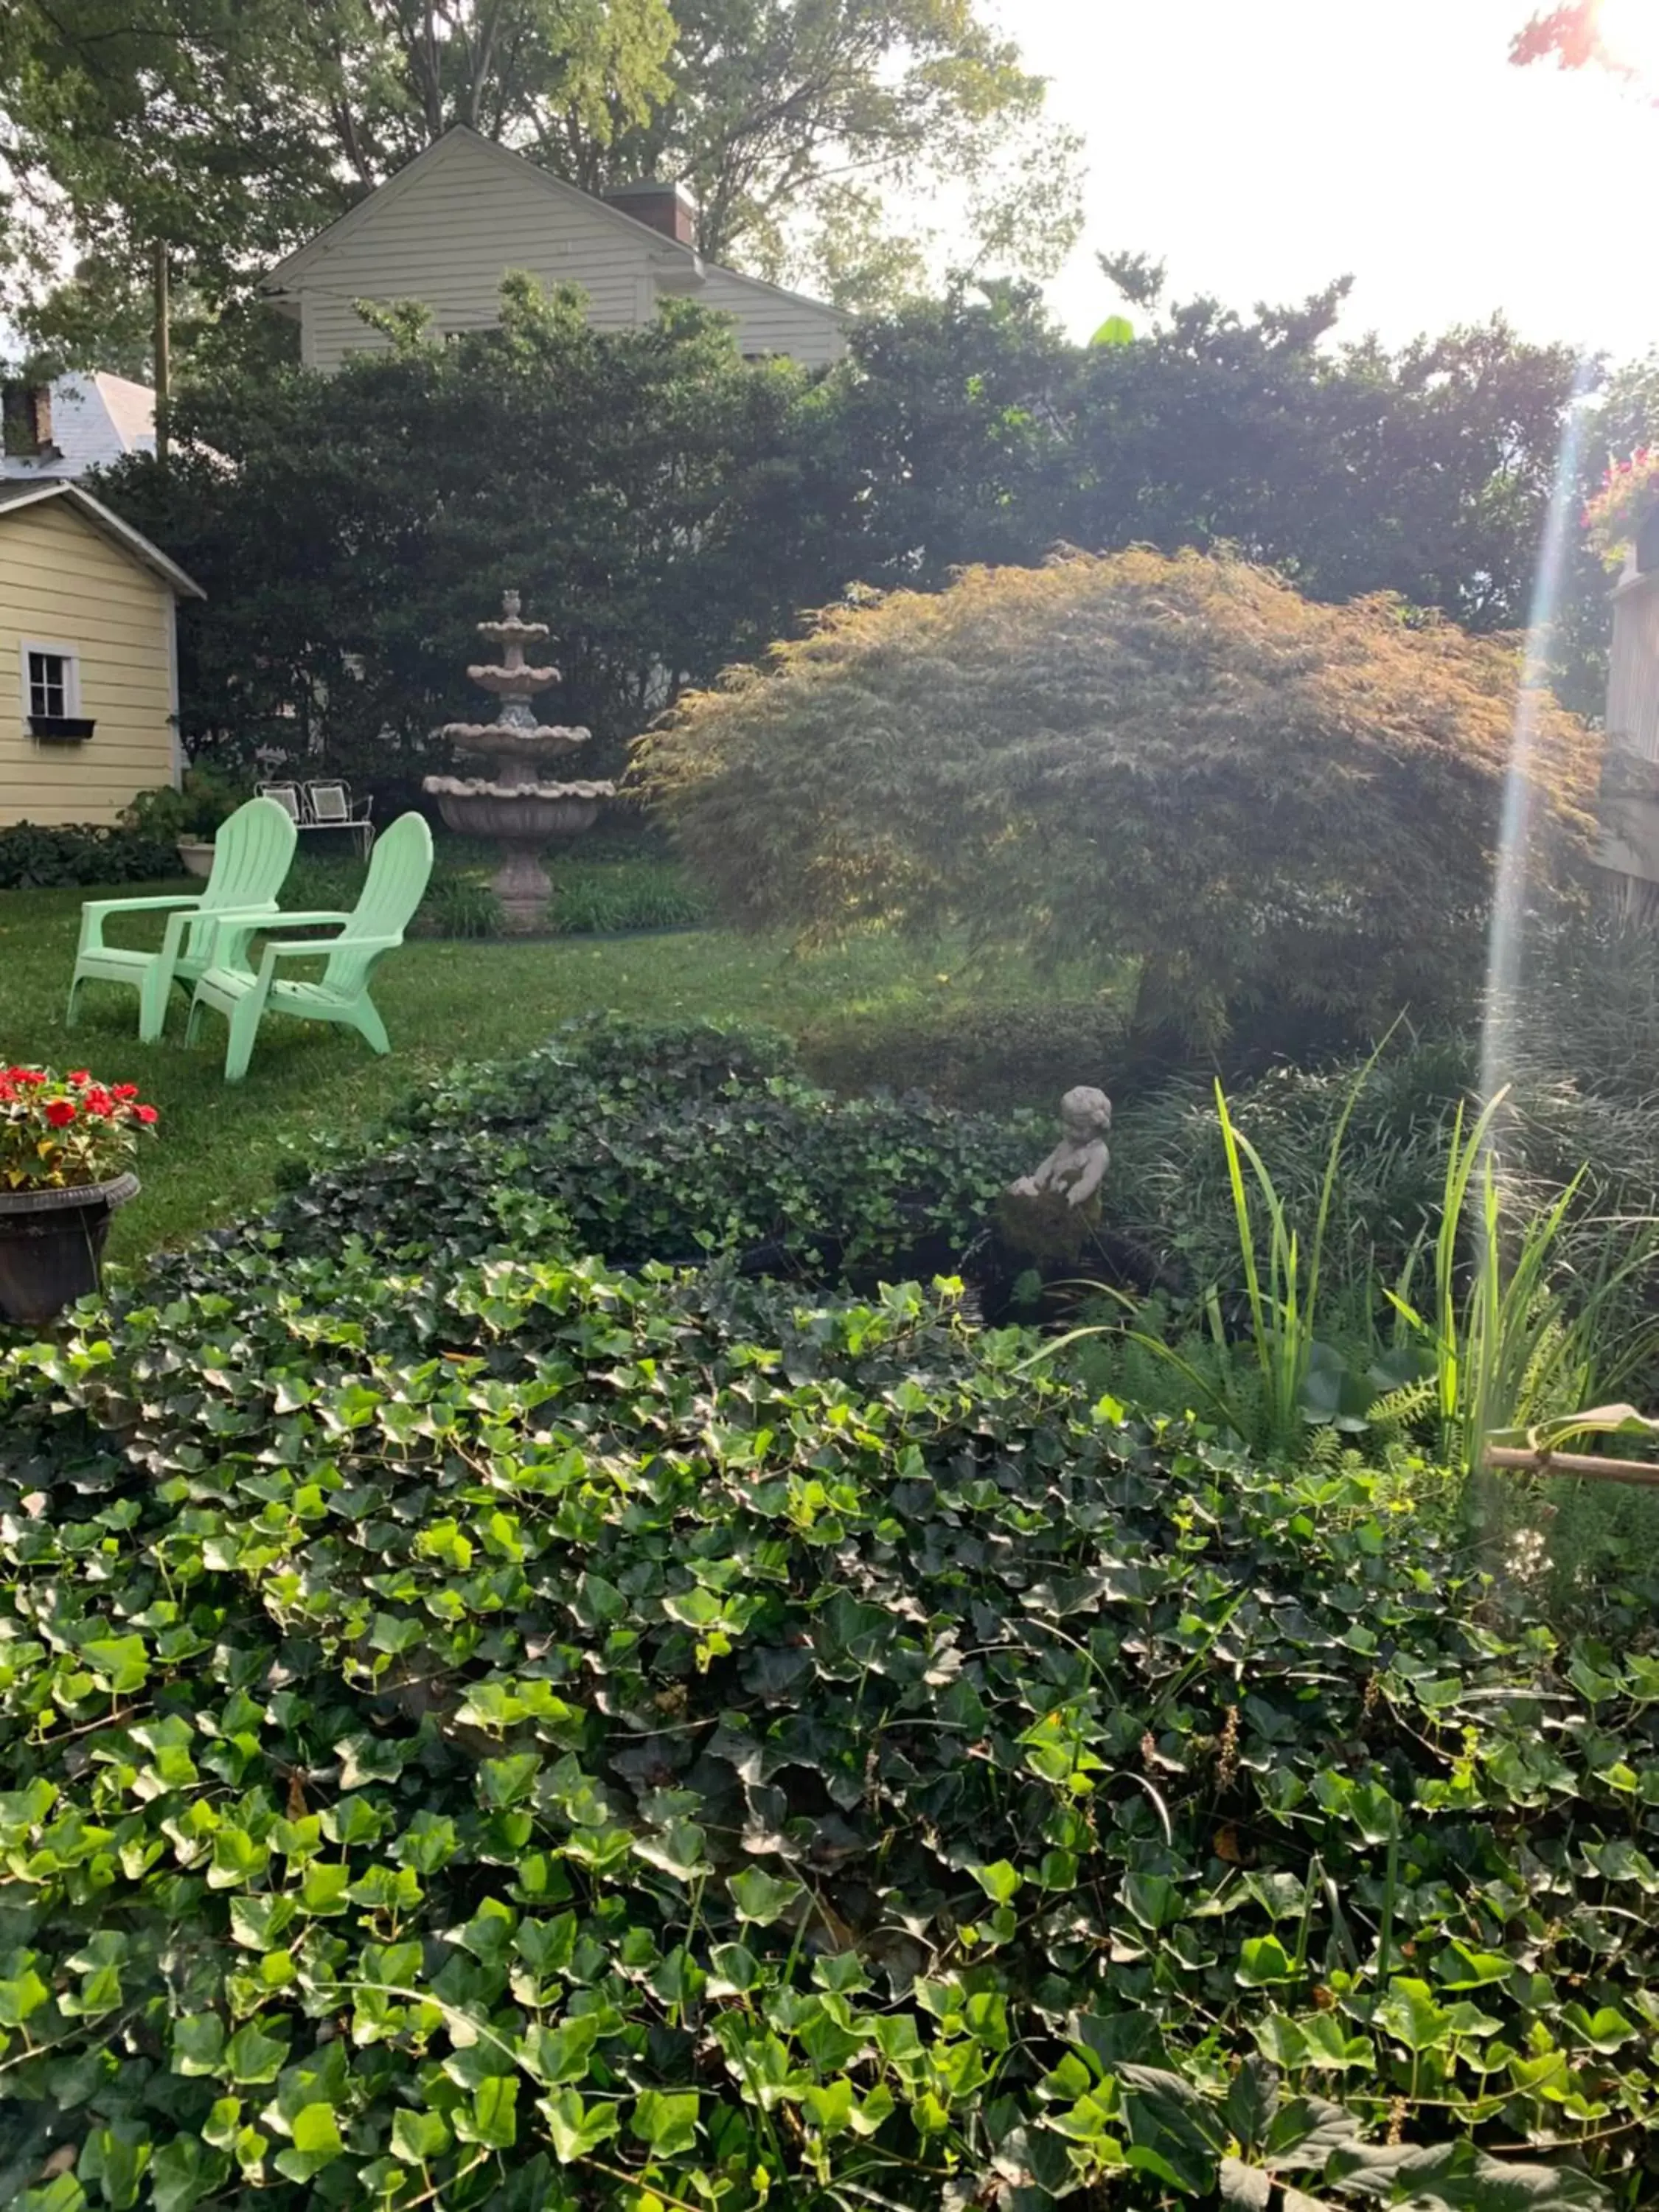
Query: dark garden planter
point(50, 1244)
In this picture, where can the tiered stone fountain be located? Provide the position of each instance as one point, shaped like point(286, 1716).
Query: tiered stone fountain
point(512, 803)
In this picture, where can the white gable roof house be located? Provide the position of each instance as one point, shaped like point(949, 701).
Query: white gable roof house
point(61, 429)
point(447, 228)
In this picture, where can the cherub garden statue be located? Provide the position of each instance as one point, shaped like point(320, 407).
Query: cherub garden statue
point(1075, 1168)
point(1049, 1218)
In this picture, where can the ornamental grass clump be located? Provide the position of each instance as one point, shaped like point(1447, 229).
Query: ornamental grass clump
point(62, 1132)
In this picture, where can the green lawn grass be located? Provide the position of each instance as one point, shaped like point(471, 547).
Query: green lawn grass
point(626, 887)
point(219, 1148)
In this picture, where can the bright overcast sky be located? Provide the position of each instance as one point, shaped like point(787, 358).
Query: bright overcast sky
point(1261, 146)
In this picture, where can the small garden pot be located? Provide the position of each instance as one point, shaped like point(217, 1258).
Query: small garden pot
point(51, 1243)
point(196, 856)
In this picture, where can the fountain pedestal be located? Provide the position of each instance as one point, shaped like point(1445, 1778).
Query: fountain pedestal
point(512, 804)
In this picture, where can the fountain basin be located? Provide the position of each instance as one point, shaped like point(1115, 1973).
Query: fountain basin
point(506, 741)
point(512, 631)
point(523, 820)
point(524, 815)
point(513, 682)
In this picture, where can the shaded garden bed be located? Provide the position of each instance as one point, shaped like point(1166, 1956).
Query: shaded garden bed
point(485, 1721)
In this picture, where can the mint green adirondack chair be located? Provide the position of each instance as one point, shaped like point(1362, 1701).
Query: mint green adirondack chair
point(397, 883)
point(250, 857)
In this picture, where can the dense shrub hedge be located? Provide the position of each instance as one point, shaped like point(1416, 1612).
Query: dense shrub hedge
point(37, 856)
point(667, 1143)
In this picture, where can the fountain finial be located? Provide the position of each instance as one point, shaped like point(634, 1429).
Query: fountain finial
point(512, 803)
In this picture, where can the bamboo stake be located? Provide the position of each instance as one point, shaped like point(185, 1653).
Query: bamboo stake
point(1639, 1471)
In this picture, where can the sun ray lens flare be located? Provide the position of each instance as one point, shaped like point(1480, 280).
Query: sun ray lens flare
point(1506, 944)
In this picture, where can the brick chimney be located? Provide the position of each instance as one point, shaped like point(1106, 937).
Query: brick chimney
point(25, 419)
point(667, 208)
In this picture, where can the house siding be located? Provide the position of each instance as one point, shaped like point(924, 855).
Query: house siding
point(772, 322)
point(447, 235)
point(63, 583)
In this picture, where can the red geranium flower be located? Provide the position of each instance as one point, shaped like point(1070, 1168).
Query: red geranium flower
point(26, 1075)
point(60, 1112)
point(79, 1075)
point(124, 1091)
point(145, 1114)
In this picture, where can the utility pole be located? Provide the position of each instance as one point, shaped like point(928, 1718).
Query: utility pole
point(163, 366)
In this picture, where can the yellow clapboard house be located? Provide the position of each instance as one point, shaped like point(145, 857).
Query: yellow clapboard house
point(88, 659)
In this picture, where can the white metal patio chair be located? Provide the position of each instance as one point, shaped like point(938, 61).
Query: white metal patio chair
point(287, 797)
point(330, 806)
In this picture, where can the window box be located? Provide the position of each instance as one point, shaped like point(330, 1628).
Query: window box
point(61, 729)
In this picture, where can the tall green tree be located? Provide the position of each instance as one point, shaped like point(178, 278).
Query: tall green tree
point(123, 121)
point(793, 119)
point(1427, 471)
point(957, 415)
point(235, 128)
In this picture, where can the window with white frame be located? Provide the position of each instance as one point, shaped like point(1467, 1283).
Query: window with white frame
point(51, 680)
